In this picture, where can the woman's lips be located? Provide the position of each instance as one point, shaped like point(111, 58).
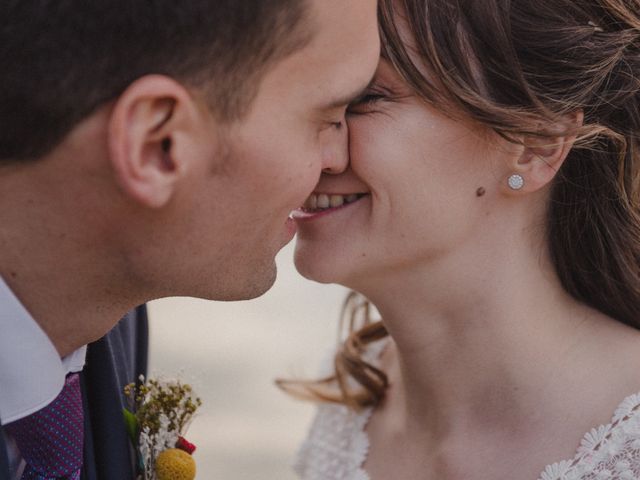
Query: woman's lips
point(320, 204)
point(322, 201)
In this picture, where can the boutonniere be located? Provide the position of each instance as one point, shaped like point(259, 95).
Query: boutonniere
point(160, 413)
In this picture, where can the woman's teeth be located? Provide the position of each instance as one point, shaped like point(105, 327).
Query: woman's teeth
point(322, 201)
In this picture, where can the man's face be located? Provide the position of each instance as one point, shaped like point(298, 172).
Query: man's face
point(295, 130)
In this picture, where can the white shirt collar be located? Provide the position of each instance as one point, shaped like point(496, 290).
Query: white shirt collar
point(31, 371)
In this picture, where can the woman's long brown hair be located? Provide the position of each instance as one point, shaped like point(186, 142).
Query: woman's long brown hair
point(514, 65)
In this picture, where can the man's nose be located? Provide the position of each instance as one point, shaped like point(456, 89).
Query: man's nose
point(336, 156)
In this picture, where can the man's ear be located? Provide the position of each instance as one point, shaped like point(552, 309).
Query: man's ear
point(541, 158)
point(146, 122)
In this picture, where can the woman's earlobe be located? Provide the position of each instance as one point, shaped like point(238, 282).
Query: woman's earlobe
point(543, 156)
point(536, 167)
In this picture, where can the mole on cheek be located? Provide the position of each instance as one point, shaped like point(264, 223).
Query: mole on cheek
point(480, 192)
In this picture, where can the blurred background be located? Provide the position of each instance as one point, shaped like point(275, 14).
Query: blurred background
point(231, 353)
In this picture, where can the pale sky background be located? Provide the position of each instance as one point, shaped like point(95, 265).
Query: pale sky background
point(231, 352)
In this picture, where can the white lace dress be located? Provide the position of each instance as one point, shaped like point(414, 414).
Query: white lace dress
point(337, 445)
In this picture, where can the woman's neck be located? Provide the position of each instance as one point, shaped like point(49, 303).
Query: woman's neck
point(480, 342)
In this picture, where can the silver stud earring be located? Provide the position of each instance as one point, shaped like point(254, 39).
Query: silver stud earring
point(516, 182)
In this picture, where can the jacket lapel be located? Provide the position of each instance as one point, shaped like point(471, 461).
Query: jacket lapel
point(112, 362)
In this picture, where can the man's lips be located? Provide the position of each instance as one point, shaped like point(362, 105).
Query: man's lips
point(290, 227)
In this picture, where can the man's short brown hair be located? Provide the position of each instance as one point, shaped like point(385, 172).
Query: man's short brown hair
point(62, 59)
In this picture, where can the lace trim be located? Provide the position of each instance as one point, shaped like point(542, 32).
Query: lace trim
point(337, 446)
point(609, 451)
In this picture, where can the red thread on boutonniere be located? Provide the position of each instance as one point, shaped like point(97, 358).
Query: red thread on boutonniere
point(184, 444)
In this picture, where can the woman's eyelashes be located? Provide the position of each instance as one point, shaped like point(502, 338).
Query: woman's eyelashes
point(367, 102)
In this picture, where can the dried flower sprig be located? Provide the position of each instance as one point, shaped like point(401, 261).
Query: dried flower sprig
point(163, 412)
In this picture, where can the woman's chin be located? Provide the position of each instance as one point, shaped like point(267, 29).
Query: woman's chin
point(319, 268)
point(316, 273)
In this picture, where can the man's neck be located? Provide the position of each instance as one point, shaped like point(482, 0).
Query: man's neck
point(56, 257)
point(69, 314)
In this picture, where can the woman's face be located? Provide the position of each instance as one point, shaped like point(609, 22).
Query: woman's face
point(419, 188)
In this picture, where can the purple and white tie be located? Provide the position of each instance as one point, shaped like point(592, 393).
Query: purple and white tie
point(51, 440)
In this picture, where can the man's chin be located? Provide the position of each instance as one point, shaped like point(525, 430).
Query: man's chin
point(252, 286)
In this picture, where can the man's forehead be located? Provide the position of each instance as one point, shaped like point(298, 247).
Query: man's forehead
point(345, 99)
point(329, 81)
point(338, 62)
point(344, 28)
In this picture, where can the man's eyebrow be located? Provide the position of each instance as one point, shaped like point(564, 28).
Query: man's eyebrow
point(348, 99)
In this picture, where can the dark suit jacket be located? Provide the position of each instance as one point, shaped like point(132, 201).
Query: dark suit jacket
point(4, 460)
point(112, 362)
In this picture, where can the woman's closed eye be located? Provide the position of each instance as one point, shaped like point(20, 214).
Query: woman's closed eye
point(367, 102)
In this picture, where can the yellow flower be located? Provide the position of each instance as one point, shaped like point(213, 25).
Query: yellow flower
point(175, 464)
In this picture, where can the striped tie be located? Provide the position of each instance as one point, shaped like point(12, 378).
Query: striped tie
point(51, 440)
